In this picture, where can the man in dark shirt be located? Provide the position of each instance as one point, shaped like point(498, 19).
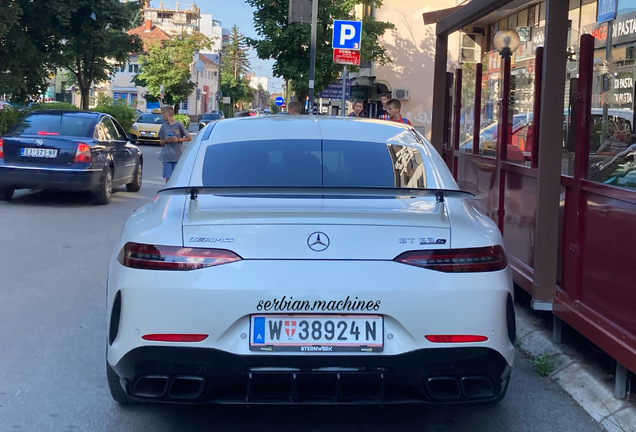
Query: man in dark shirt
point(382, 114)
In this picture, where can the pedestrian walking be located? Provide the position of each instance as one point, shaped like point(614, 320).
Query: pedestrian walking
point(393, 108)
point(357, 109)
point(172, 135)
point(382, 114)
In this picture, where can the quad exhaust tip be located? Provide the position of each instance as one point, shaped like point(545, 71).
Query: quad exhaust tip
point(181, 387)
point(449, 388)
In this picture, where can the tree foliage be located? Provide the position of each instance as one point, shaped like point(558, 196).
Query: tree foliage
point(93, 35)
point(234, 66)
point(170, 64)
point(289, 44)
point(27, 40)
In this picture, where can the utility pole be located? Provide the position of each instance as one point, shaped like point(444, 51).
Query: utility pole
point(312, 61)
point(343, 111)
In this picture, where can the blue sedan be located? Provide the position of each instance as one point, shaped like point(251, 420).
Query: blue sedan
point(69, 151)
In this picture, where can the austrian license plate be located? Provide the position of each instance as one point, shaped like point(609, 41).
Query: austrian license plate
point(317, 333)
point(38, 153)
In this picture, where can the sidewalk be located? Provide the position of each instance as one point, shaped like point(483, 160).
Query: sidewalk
point(588, 380)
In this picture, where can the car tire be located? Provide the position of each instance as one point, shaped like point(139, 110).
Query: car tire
point(103, 194)
point(6, 194)
point(116, 390)
point(135, 185)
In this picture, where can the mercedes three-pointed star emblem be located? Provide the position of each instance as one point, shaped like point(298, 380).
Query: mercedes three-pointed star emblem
point(318, 241)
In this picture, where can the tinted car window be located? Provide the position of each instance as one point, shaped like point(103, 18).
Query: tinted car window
point(313, 163)
point(150, 118)
point(109, 130)
point(210, 117)
point(61, 124)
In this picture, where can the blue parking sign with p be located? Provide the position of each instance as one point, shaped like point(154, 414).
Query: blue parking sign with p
point(347, 34)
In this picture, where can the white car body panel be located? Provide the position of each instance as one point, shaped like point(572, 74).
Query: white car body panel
point(271, 235)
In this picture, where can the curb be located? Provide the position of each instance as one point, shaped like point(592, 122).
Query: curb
point(580, 380)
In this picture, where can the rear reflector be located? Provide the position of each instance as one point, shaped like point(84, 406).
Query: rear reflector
point(484, 259)
point(83, 154)
point(175, 337)
point(48, 133)
point(456, 338)
point(150, 257)
point(1, 150)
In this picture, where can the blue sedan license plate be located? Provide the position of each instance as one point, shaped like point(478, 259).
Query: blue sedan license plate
point(317, 333)
point(38, 153)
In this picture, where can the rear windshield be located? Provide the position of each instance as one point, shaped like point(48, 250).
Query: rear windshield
point(150, 118)
point(211, 117)
point(313, 163)
point(62, 124)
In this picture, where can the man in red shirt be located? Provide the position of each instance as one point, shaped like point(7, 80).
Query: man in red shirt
point(393, 108)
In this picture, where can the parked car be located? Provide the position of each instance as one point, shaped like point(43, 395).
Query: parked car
point(146, 127)
point(207, 118)
point(267, 111)
point(69, 151)
point(304, 260)
point(221, 113)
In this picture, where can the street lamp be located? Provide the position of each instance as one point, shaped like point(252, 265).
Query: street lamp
point(506, 42)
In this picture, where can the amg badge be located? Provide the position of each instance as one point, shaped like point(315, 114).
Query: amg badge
point(421, 241)
point(210, 240)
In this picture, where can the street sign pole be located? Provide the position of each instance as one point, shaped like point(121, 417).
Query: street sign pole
point(344, 88)
point(312, 61)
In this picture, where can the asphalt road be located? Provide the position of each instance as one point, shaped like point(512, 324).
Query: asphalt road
point(54, 255)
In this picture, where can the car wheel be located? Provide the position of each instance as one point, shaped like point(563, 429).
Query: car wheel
point(116, 390)
point(135, 185)
point(102, 196)
point(6, 194)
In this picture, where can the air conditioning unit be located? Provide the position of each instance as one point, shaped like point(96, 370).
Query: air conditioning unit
point(402, 94)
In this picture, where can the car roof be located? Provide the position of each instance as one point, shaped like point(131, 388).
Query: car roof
point(65, 112)
point(311, 127)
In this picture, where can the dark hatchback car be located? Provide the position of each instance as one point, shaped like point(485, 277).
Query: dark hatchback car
point(209, 117)
point(69, 151)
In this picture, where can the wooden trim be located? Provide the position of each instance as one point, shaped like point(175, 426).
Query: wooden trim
point(615, 341)
point(567, 181)
point(607, 191)
point(483, 159)
point(522, 275)
point(520, 169)
point(546, 238)
point(438, 15)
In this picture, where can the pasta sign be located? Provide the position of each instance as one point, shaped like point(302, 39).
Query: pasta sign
point(623, 87)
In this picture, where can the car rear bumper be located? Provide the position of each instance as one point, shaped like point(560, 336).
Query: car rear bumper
point(50, 178)
point(205, 375)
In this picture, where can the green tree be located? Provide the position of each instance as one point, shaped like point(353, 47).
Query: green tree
point(94, 40)
point(170, 64)
point(234, 66)
point(27, 40)
point(289, 44)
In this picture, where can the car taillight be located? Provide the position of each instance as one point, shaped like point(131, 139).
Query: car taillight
point(455, 338)
point(483, 259)
point(1, 150)
point(150, 257)
point(83, 154)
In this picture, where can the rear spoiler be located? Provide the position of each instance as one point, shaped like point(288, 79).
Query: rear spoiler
point(317, 191)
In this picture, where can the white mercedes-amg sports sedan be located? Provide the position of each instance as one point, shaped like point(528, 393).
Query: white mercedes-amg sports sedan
point(308, 260)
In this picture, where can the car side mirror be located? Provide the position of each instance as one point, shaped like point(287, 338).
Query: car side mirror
point(132, 138)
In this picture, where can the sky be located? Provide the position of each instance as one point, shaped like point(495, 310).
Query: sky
point(238, 12)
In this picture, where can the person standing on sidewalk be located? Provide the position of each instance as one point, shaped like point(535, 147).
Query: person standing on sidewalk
point(382, 114)
point(172, 135)
point(357, 109)
point(393, 108)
